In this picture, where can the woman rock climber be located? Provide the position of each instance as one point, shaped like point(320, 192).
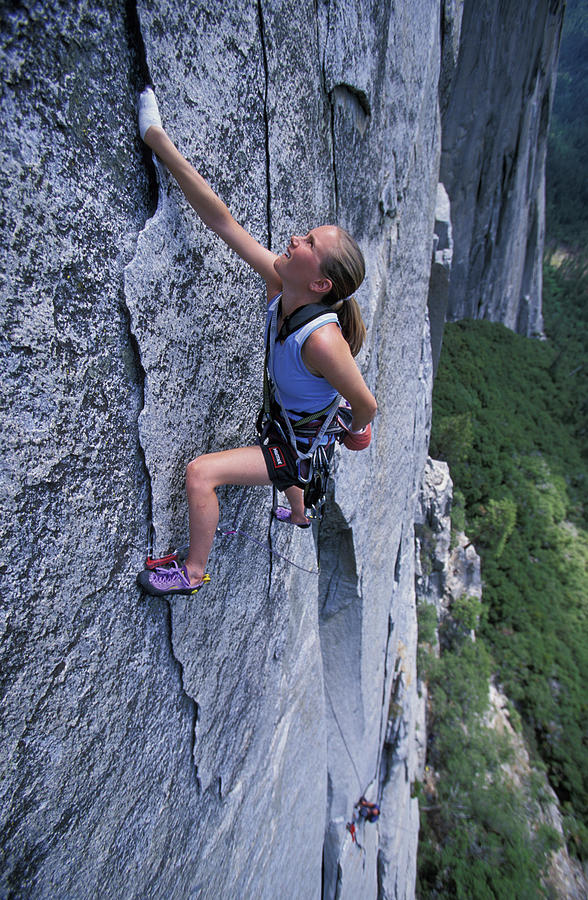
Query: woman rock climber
point(309, 368)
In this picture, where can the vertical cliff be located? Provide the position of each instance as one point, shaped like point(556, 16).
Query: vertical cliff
point(496, 109)
point(195, 747)
point(217, 745)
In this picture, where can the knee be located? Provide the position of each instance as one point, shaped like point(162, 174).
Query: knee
point(196, 474)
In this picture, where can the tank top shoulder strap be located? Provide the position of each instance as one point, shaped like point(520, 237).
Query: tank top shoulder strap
point(306, 330)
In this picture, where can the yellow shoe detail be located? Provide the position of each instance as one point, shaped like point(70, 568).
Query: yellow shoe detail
point(205, 580)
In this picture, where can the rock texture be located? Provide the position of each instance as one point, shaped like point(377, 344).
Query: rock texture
point(495, 123)
point(216, 746)
point(445, 569)
point(193, 748)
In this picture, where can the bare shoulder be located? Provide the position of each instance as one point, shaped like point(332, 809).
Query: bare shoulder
point(326, 351)
point(326, 341)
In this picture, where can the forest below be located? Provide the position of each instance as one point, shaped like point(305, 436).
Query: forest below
point(510, 416)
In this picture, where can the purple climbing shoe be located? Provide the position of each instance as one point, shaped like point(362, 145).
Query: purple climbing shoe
point(169, 580)
point(284, 515)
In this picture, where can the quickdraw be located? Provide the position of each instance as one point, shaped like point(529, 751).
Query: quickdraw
point(172, 556)
point(151, 563)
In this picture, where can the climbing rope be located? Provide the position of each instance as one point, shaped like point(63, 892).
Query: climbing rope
point(224, 531)
point(394, 827)
point(229, 531)
point(343, 736)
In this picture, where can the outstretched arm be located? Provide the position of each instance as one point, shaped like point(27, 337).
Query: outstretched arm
point(211, 209)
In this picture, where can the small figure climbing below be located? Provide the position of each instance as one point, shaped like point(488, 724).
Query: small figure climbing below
point(367, 810)
point(363, 809)
point(314, 329)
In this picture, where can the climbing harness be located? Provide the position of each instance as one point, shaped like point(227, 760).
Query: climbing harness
point(359, 815)
point(313, 464)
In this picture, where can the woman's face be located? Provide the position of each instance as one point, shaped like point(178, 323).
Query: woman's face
point(301, 264)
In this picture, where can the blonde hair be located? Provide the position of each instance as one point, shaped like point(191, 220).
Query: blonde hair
point(344, 266)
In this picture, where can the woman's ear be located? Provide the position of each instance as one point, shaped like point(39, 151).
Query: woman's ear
point(321, 285)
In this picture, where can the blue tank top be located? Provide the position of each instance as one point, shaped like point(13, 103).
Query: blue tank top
point(300, 390)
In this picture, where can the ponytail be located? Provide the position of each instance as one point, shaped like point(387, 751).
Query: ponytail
point(351, 322)
point(344, 266)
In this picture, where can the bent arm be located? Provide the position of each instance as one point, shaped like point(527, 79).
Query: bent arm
point(327, 353)
point(211, 209)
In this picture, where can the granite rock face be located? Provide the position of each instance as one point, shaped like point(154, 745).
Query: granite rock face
point(197, 748)
point(217, 745)
point(445, 570)
point(496, 111)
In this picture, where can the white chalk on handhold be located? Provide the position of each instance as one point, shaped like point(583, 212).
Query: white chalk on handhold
point(148, 111)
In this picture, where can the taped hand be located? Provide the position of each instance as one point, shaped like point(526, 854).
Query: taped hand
point(148, 111)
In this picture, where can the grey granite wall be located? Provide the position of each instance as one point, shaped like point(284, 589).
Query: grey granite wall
point(495, 122)
point(215, 746)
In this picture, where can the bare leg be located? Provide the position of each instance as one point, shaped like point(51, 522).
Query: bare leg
point(244, 465)
point(295, 497)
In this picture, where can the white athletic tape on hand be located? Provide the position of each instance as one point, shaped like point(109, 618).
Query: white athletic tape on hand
point(148, 111)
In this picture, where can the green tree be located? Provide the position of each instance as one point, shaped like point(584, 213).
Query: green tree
point(524, 480)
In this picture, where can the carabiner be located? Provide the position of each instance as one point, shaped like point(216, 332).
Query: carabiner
point(305, 479)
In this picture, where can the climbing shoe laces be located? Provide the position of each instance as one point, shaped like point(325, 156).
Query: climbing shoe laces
point(169, 580)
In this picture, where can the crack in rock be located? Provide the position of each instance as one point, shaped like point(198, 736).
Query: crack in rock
point(158, 197)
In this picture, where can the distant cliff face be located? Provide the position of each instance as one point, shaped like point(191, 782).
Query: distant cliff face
point(496, 109)
point(218, 745)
